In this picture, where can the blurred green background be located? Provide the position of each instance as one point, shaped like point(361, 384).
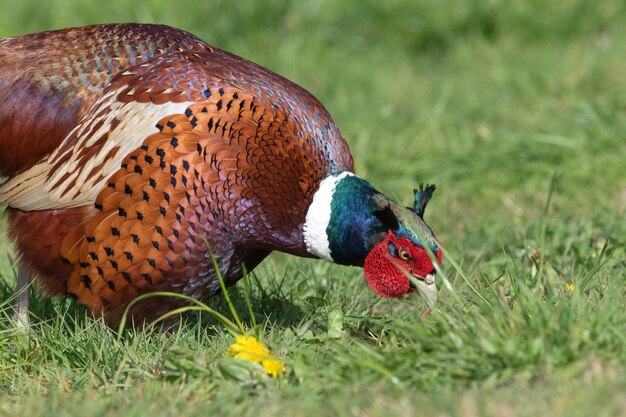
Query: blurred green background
point(494, 101)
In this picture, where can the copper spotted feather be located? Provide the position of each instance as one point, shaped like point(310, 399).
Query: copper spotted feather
point(189, 145)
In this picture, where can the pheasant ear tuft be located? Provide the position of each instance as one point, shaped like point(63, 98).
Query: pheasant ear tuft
point(422, 197)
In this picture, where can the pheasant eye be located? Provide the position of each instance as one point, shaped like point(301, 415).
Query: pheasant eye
point(404, 254)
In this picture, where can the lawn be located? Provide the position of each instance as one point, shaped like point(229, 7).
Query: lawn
point(515, 109)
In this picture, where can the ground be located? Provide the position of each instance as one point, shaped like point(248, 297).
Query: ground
point(516, 110)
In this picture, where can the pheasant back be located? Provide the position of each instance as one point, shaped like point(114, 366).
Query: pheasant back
point(135, 153)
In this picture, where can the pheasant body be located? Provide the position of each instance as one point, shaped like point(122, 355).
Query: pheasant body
point(135, 153)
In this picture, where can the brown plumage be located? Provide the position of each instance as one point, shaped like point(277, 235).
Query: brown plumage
point(104, 210)
point(133, 152)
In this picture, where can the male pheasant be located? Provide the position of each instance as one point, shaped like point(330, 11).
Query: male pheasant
point(134, 153)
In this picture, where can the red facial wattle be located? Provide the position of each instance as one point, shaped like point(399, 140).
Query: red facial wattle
point(386, 273)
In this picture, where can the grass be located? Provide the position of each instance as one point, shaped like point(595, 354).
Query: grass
point(515, 109)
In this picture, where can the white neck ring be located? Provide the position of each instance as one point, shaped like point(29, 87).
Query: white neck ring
point(318, 217)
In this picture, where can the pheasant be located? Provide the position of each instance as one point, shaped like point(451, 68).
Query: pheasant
point(135, 155)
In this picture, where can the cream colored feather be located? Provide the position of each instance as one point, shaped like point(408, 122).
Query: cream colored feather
point(65, 179)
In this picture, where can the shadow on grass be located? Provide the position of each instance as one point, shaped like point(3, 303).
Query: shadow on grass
point(268, 304)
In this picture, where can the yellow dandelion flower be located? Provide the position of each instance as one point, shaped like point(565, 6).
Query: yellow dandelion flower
point(249, 349)
point(569, 288)
point(273, 367)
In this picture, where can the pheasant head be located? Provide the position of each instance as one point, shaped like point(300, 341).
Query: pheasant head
point(351, 223)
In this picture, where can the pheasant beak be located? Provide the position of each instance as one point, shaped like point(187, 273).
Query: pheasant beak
point(427, 288)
